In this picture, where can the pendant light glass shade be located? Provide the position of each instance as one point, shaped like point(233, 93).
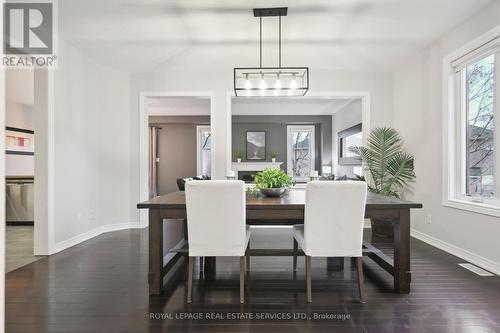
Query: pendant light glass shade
point(271, 81)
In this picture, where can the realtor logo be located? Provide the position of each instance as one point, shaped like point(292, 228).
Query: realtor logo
point(29, 33)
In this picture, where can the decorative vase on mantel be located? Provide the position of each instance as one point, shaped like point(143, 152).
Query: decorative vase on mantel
point(274, 155)
point(238, 154)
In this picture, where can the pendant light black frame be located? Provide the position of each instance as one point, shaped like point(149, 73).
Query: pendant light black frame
point(270, 12)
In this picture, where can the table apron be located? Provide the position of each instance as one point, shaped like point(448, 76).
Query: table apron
point(282, 214)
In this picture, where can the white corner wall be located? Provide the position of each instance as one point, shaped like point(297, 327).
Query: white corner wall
point(418, 117)
point(91, 149)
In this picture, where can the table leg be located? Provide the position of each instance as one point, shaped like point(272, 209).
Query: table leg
point(335, 263)
point(402, 273)
point(185, 229)
point(210, 264)
point(155, 277)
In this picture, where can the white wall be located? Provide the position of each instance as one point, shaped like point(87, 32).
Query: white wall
point(202, 71)
point(17, 114)
point(349, 116)
point(288, 106)
point(19, 165)
point(19, 87)
point(91, 148)
point(418, 117)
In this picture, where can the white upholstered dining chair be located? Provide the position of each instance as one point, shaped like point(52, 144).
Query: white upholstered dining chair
point(333, 225)
point(216, 223)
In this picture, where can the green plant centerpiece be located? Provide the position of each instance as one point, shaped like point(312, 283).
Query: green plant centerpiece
point(390, 167)
point(273, 182)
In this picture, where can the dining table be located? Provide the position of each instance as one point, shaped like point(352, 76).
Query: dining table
point(273, 211)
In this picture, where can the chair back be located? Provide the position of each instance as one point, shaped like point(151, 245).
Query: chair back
point(334, 216)
point(216, 217)
point(181, 183)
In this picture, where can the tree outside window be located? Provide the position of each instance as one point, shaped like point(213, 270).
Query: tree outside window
point(480, 148)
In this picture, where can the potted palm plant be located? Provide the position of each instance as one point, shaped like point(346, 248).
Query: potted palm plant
point(272, 182)
point(390, 167)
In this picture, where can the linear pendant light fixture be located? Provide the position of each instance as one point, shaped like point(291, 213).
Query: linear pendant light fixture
point(271, 81)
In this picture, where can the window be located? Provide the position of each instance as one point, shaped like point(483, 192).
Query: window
point(204, 151)
point(349, 138)
point(479, 109)
point(472, 138)
point(300, 152)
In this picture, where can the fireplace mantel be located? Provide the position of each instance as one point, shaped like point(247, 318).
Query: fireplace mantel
point(254, 166)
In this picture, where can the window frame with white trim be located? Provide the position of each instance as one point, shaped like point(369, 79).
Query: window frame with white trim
point(290, 151)
point(203, 160)
point(471, 159)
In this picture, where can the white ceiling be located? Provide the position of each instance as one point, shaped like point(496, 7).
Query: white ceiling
point(373, 35)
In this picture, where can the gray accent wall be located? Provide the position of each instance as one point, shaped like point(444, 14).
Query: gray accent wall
point(176, 148)
point(276, 135)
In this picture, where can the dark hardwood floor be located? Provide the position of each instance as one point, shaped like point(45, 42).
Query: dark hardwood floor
point(101, 286)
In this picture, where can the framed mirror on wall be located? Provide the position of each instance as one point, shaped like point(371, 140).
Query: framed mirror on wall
point(353, 136)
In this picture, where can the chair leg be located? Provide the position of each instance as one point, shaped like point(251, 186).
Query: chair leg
point(190, 279)
point(361, 283)
point(295, 250)
point(308, 278)
point(242, 279)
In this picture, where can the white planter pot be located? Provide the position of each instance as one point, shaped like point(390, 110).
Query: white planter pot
point(273, 160)
point(238, 160)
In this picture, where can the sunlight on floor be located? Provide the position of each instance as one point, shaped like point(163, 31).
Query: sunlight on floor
point(19, 247)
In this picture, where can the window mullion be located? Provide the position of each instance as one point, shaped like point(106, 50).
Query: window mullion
point(461, 130)
point(464, 122)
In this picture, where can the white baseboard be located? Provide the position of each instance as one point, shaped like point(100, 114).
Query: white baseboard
point(58, 247)
point(487, 264)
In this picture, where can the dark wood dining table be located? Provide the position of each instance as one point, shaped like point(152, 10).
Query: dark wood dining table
point(287, 210)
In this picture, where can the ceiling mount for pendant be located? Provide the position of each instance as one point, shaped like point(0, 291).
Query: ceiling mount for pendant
point(264, 12)
point(271, 81)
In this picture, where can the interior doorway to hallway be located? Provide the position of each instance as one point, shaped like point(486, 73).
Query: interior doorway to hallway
point(179, 141)
point(19, 168)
